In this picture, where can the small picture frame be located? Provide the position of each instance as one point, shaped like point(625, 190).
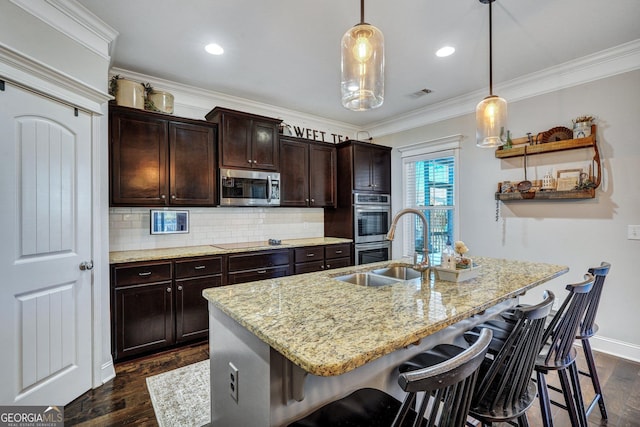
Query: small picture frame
point(164, 221)
point(568, 179)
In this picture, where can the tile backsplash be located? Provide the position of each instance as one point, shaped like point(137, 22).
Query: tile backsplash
point(129, 227)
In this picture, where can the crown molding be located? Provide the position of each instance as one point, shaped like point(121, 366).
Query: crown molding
point(75, 21)
point(201, 101)
point(607, 63)
point(34, 75)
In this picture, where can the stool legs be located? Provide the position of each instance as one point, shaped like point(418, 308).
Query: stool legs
point(593, 374)
point(570, 385)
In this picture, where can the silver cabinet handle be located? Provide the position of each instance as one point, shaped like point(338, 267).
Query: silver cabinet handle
point(328, 265)
point(86, 265)
point(162, 196)
point(179, 288)
point(199, 267)
point(249, 161)
point(338, 252)
point(261, 271)
point(255, 161)
point(310, 255)
point(173, 196)
point(169, 290)
point(145, 273)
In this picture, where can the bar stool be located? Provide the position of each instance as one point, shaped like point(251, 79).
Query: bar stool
point(588, 329)
point(558, 354)
point(505, 390)
point(450, 385)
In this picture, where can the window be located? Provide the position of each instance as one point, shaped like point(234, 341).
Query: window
point(429, 185)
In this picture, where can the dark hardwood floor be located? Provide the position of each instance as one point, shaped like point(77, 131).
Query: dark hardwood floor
point(125, 399)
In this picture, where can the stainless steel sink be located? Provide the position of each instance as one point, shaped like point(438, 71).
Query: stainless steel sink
point(398, 272)
point(367, 279)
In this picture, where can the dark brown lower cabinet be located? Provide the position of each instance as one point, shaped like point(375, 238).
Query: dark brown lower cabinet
point(144, 318)
point(317, 258)
point(250, 266)
point(152, 310)
point(159, 304)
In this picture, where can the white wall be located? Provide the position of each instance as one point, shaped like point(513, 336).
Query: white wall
point(577, 233)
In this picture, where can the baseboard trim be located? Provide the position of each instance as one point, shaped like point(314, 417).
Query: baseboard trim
point(616, 348)
point(107, 371)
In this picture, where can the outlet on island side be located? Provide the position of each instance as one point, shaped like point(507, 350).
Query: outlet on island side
point(233, 381)
point(633, 232)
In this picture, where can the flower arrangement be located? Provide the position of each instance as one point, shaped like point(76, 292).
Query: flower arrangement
point(460, 249)
point(583, 119)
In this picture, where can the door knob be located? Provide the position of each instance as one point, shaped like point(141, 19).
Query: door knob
point(86, 265)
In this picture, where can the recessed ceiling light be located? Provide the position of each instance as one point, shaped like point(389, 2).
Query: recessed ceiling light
point(445, 51)
point(214, 49)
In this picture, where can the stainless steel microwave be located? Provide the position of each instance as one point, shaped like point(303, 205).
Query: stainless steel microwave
point(240, 187)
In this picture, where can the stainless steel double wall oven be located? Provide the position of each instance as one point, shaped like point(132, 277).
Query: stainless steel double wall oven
point(372, 219)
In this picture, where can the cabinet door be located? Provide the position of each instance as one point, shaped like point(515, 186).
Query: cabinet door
point(139, 167)
point(371, 169)
point(192, 164)
point(143, 318)
point(322, 175)
point(192, 312)
point(381, 170)
point(264, 148)
point(235, 149)
point(362, 168)
point(294, 176)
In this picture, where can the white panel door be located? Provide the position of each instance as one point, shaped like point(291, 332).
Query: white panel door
point(45, 218)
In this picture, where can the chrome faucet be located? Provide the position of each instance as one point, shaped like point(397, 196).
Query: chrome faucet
point(424, 265)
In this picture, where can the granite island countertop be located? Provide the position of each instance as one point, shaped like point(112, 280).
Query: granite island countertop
point(118, 257)
point(328, 327)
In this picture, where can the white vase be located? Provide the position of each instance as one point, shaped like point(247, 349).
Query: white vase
point(130, 94)
point(163, 101)
point(581, 130)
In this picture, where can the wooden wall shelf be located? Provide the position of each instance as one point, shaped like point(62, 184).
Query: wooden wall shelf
point(568, 144)
point(588, 193)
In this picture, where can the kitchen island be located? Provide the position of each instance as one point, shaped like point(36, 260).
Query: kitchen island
point(282, 347)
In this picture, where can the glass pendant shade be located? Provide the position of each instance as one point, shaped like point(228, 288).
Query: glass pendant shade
point(491, 121)
point(362, 68)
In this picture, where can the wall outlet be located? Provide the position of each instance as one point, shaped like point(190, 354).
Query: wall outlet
point(633, 232)
point(233, 381)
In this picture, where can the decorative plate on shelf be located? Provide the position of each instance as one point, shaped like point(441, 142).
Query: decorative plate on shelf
point(559, 133)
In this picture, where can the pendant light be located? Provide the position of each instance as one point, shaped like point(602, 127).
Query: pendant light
point(491, 112)
point(362, 66)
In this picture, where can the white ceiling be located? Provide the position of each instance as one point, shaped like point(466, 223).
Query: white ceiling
point(287, 52)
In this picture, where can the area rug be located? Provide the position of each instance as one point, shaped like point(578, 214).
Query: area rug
point(181, 397)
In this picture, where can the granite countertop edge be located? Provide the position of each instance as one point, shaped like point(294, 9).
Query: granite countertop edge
point(273, 324)
point(119, 257)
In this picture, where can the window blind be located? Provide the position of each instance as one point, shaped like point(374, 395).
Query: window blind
point(429, 186)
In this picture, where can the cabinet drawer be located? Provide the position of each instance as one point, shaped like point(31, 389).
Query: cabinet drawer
point(261, 274)
point(258, 260)
point(198, 267)
point(309, 267)
point(338, 251)
point(338, 262)
point(130, 274)
point(311, 253)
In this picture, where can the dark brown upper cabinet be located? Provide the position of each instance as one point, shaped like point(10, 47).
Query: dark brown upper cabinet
point(160, 160)
point(366, 165)
point(247, 141)
point(308, 173)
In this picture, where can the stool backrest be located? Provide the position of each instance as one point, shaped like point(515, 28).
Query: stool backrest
point(599, 273)
point(560, 333)
point(450, 385)
point(505, 383)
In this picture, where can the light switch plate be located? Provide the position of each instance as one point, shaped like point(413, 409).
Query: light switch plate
point(633, 232)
